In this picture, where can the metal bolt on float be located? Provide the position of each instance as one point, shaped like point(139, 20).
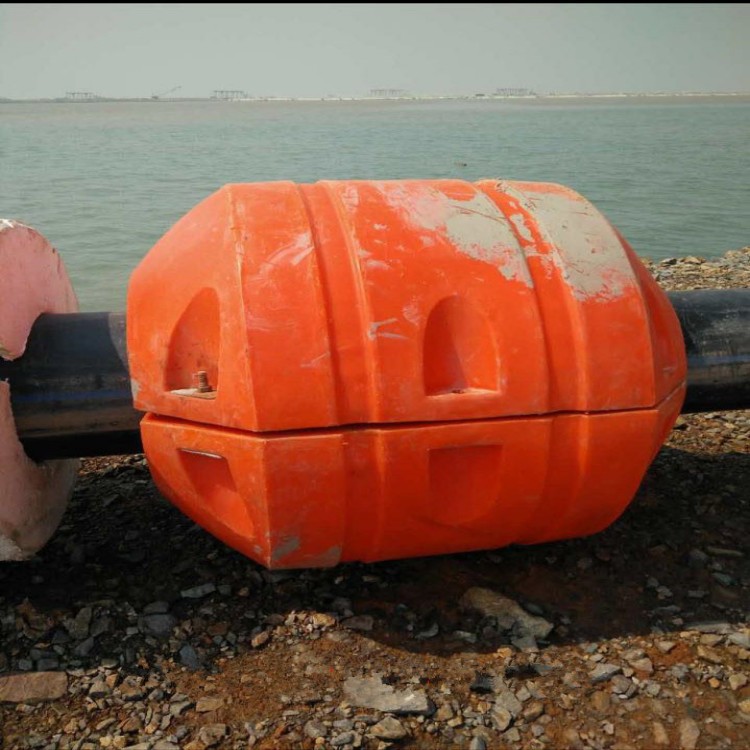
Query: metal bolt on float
point(363, 370)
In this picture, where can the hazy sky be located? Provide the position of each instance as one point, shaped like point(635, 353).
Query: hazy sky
point(314, 50)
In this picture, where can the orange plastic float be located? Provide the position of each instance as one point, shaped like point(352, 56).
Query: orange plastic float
point(370, 370)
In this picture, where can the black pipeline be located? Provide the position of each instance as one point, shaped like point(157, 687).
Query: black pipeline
point(71, 392)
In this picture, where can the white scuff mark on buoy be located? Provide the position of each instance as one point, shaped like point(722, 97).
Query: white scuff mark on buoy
point(519, 223)
point(412, 313)
point(475, 227)
point(316, 360)
point(327, 559)
point(585, 250)
point(589, 255)
point(284, 548)
point(255, 323)
point(205, 454)
point(349, 196)
point(375, 332)
point(478, 228)
point(373, 264)
point(293, 253)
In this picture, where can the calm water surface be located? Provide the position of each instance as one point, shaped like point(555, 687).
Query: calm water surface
point(104, 181)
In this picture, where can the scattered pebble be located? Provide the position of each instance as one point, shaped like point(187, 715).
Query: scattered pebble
point(35, 687)
point(603, 672)
point(508, 613)
point(689, 734)
point(388, 729)
point(372, 692)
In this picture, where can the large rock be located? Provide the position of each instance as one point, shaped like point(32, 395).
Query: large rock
point(33, 687)
point(159, 624)
point(388, 729)
point(510, 615)
point(506, 699)
point(189, 657)
point(689, 734)
point(501, 718)
point(78, 627)
point(212, 734)
point(603, 672)
point(208, 703)
point(314, 729)
point(198, 592)
point(372, 692)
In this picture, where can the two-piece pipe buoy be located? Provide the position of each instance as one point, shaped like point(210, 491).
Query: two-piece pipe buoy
point(369, 370)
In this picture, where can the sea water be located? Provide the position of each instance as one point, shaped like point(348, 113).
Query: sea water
point(103, 181)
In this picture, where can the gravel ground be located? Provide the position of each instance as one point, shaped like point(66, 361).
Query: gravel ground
point(134, 628)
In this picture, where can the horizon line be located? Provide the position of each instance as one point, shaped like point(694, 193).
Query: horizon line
point(93, 98)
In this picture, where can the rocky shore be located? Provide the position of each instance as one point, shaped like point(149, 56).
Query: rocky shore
point(135, 629)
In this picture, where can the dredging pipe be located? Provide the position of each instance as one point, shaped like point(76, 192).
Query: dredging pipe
point(71, 390)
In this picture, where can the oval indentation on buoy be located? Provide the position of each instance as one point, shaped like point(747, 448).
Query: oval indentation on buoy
point(459, 354)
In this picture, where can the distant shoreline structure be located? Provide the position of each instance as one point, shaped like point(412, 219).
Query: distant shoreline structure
point(524, 98)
